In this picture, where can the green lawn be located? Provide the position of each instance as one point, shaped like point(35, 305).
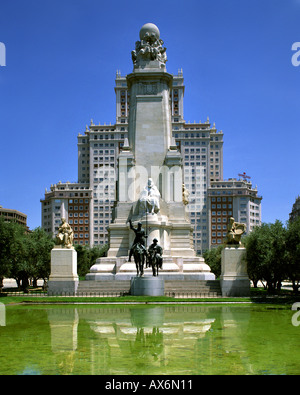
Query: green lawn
point(258, 295)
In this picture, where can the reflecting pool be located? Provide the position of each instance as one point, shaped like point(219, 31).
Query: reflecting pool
point(143, 340)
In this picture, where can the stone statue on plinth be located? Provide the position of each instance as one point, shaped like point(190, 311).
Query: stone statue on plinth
point(65, 235)
point(63, 278)
point(234, 279)
point(138, 249)
point(149, 198)
point(155, 259)
point(235, 230)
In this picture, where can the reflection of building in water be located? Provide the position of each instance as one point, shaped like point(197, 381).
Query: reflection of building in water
point(64, 327)
point(146, 340)
point(130, 340)
point(153, 346)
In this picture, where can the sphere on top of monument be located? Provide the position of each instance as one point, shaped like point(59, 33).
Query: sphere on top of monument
point(150, 48)
point(149, 30)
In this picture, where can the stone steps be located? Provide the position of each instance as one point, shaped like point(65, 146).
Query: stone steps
point(104, 287)
point(175, 288)
point(200, 288)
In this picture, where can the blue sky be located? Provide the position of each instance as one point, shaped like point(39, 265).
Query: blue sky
point(61, 61)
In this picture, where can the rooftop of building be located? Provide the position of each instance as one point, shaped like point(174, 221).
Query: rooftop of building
point(10, 210)
point(244, 186)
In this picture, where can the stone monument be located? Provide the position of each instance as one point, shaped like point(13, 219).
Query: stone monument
point(63, 277)
point(150, 187)
point(234, 278)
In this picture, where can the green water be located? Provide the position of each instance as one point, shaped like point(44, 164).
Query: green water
point(144, 340)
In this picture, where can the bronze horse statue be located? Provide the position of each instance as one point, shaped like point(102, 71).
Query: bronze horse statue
point(153, 261)
point(140, 256)
point(154, 258)
point(138, 249)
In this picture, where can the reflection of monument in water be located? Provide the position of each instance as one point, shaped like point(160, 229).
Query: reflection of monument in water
point(129, 340)
point(150, 175)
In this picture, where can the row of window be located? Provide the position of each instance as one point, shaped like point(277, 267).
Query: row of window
point(221, 206)
point(104, 158)
point(86, 235)
point(219, 234)
point(223, 213)
point(224, 219)
point(224, 199)
point(71, 215)
point(86, 228)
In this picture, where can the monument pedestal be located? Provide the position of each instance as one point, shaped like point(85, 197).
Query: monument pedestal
point(174, 268)
point(234, 278)
point(147, 286)
point(63, 278)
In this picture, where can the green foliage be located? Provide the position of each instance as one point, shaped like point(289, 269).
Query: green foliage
point(213, 260)
point(24, 255)
point(39, 246)
point(272, 254)
point(86, 257)
point(12, 247)
point(267, 255)
point(293, 253)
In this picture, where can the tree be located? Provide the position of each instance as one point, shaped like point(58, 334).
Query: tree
point(39, 245)
point(5, 254)
point(293, 253)
point(12, 249)
point(213, 259)
point(266, 254)
point(86, 257)
point(24, 255)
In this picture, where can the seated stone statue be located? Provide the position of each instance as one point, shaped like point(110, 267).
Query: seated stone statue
point(235, 230)
point(149, 198)
point(65, 235)
point(185, 195)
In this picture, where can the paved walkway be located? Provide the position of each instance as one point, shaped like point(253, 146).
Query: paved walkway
point(11, 283)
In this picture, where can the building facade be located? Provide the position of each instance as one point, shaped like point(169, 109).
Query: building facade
point(94, 196)
point(73, 202)
point(10, 215)
point(231, 198)
point(200, 144)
